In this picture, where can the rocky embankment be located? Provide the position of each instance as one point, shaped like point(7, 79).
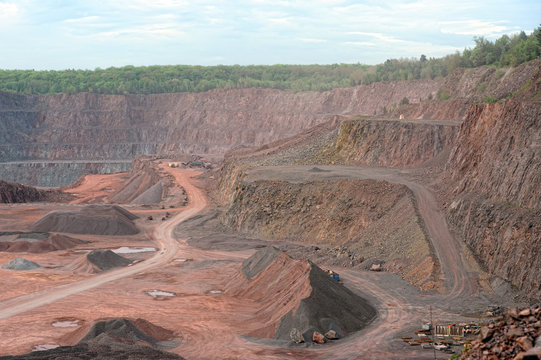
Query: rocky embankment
point(366, 216)
point(492, 181)
point(516, 335)
point(11, 192)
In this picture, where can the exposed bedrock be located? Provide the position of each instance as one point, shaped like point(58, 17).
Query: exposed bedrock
point(57, 173)
point(11, 192)
point(493, 183)
point(115, 128)
point(388, 142)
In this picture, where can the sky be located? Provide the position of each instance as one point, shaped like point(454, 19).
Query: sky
point(87, 34)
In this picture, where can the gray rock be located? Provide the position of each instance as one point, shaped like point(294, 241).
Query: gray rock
point(20, 264)
point(332, 335)
point(296, 336)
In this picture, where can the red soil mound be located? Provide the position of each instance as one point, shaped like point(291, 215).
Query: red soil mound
point(28, 242)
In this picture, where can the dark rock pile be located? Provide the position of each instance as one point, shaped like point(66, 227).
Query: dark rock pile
point(116, 339)
point(516, 335)
point(92, 219)
point(107, 260)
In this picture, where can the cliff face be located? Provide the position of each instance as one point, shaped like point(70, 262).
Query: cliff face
point(498, 153)
point(493, 182)
point(17, 193)
point(389, 143)
point(116, 127)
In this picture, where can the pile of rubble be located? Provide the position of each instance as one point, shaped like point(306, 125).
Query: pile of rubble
point(516, 335)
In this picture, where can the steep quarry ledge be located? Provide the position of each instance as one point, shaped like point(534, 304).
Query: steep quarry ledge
point(11, 192)
point(492, 182)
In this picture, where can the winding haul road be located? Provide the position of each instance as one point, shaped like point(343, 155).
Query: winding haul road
point(167, 249)
point(395, 311)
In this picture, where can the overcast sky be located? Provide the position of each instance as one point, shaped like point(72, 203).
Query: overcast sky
point(85, 34)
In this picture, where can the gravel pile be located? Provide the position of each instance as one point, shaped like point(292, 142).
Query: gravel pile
point(516, 335)
point(116, 339)
point(37, 242)
point(20, 264)
point(93, 219)
point(106, 259)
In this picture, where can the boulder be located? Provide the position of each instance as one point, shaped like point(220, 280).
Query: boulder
point(296, 336)
point(332, 335)
point(318, 337)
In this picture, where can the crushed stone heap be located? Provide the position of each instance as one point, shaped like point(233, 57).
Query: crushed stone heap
point(36, 242)
point(20, 264)
point(106, 259)
point(298, 298)
point(92, 219)
point(115, 339)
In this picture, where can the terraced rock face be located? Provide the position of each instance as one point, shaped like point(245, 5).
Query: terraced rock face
point(115, 128)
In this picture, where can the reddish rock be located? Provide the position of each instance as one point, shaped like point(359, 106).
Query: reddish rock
point(525, 343)
point(317, 337)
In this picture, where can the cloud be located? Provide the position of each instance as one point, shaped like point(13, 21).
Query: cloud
point(379, 36)
point(312, 40)
point(359, 43)
point(9, 12)
point(472, 27)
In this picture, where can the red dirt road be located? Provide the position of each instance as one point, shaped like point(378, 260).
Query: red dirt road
point(167, 249)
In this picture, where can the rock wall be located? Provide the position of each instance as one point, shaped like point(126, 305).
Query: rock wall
point(87, 126)
point(16, 193)
point(389, 143)
point(57, 173)
point(493, 181)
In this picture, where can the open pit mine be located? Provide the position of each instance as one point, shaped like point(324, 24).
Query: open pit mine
point(264, 224)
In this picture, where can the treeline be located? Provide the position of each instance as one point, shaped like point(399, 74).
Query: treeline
point(505, 51)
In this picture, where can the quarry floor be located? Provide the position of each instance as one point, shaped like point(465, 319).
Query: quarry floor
point(207, 322)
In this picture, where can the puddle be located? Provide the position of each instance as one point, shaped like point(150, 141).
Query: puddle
point(215, 291)
point(160, 294)
point(63, 324)
point(45, 347)
point(133, 250)
point(182, 260)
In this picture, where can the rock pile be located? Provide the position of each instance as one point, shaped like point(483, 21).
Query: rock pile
point(93, 219)
point(20, 264)
point(106, 259)
point(516, 335)
point(299, 301)
point(115, 339)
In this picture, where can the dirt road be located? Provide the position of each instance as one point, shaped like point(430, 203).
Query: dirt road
point(167, 249)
